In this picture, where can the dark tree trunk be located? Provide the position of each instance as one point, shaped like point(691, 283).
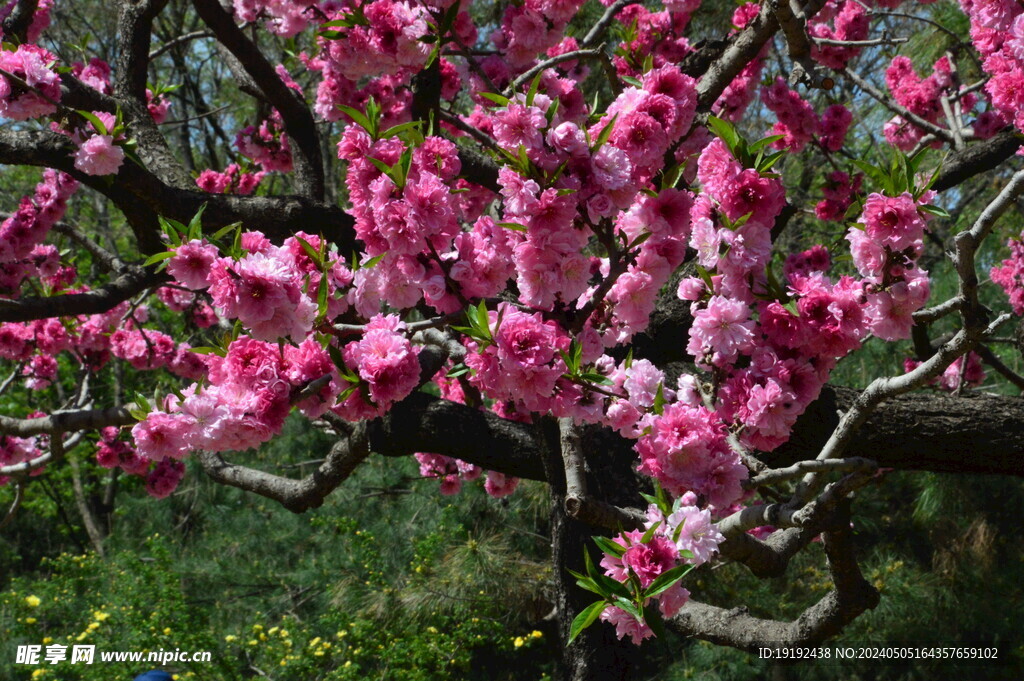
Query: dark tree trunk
point(596, 654)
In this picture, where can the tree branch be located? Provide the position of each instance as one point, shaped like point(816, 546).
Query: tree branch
point(133, 282)
point(297, 496)
point(297, 118)
point(19, 20)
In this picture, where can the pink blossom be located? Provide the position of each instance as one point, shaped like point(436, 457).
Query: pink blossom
point(161, 436)
point(192, 264)
point(892, 221)
point(626, 624)
point(164, 478)
point(98, 155)
point(698, 534)
point(721, 331)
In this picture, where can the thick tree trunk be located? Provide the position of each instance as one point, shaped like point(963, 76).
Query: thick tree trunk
point(596, 655)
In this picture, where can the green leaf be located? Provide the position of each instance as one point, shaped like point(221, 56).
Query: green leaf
point(631, 81)
point(594, 377)
point(591, 570)
point(338, 359)
point(706, 276)
point(497, 99)
point(659, 399)
point(513, 226)
point(173, 229)
point(457, 370)
point(899, 173)
point(322, 298)
point(765, 164)
point(159, 257)
point(651, 499)
point(373, 261)
point(400, 128)
point(97, 124)
point(383, 167)
point(587, 583)
point(483, 319)
point(667, 580)
point(764, 143)
point(877, 175)
point(639, 240)
point(346, 393)
point(358, 116)
point(670, 177)
point(583, 620)
point(448, 20)
point(725, 131)
point(206, 350)
point(552, 110)
point(935, 210)
point(649, 534)
point(220, 233)
point(610, 547)
point(195, 226)
point(930, 182)
point(605, 133)
point(534, 86)
point(629, 607)
point(313, 254)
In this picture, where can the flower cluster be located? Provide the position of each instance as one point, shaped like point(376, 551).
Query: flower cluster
point(997, 31)
point(281, 17)
point(26, 228)
point(840, 190)
point(387, 368)
point(797, 122)
point(36, 90)
point(885, 252)
point(233, 180)
point(684, 535)
point(15, 450)
point(849, 23)
point(523, 362)
point(263, 289)
point(389, 30)
point(1010, 274)
point(410, 218)
point(98, 152)
point(266, 145)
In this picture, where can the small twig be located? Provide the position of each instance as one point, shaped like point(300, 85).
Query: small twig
point(597, 30)
point(859, 43)
point(931, 314)
point(902, 111)
point(528, 76)
point(480, 136)
point(990, 358)
point(19, 496)
point(170, 44)
point(772, 476)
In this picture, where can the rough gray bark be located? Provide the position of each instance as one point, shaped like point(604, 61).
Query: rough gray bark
point(928, 430)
